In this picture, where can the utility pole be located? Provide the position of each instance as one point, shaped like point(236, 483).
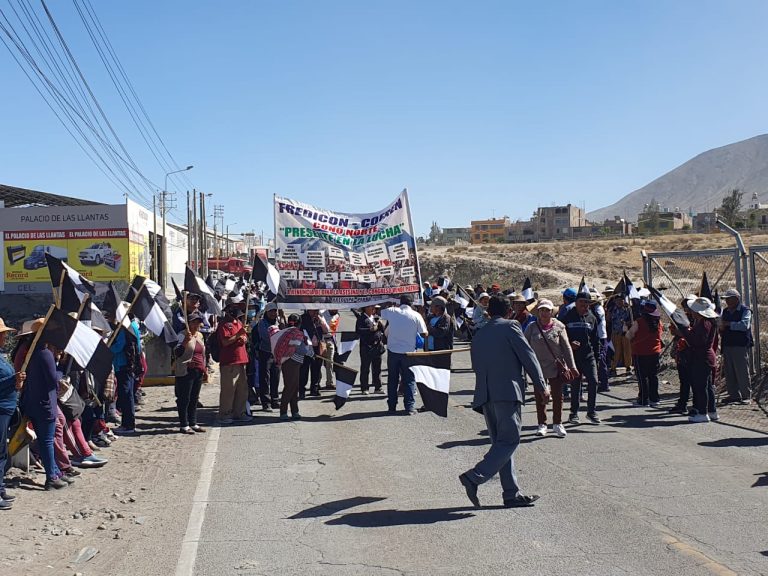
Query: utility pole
point(203, 237)
point(193, 235)
point(153, 246)
point(189, 232)
point(218, 213)
point(166, 204)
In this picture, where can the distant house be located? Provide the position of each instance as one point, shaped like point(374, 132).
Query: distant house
point(490, 231)
point(705, 222)
point(454, 236)
point(663, 221)
point(558, 222)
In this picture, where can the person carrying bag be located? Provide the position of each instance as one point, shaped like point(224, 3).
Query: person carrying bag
point(549, 340)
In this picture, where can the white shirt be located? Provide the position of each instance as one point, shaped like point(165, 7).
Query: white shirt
point(404, 325)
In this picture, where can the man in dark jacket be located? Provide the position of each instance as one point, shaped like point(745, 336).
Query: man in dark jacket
point(440, 328)
point(269, 371)
point(317, 331)
point(581, 326)
point(371, 333)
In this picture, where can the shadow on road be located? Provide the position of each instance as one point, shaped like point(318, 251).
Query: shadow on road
point(331, 508)
point(456, 443)
point(382, 518)
point(761, 481)
point(646, 420)
point(735, 442)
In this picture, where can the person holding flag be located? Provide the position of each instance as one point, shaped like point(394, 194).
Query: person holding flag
point(190, 367)
point(10, 381)
point(581, 326)
point(126, 361)
point(290, 346)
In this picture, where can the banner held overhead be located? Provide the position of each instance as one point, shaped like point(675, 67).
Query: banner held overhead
point(342, 261)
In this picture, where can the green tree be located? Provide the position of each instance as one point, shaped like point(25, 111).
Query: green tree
point(435, 233)
point(731, 206)
point(651, 215)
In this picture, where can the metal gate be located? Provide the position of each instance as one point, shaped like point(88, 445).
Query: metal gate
point(758, 256)
point(679, 274)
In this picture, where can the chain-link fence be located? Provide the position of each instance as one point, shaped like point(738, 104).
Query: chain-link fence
point(758, 263)
point(679, 274)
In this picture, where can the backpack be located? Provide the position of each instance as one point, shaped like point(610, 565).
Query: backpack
point(214, 344)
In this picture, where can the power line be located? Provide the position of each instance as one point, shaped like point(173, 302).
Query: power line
point(56, 96)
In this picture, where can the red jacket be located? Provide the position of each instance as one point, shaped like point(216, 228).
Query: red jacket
point(646, 342)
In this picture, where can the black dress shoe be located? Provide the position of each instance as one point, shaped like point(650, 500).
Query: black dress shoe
point(521, 501)
point(471, 489)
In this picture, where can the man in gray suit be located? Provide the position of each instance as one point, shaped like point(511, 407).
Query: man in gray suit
point(500, 353)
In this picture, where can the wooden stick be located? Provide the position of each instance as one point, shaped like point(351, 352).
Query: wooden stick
point(57, 294)
point(438, 352)
point(184, 307)
point(343, 366)
point(120, 324)
point(36, 339)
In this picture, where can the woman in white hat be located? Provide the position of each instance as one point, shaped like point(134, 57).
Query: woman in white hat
point(702, 339)
point(10, 381)
point(549, 340)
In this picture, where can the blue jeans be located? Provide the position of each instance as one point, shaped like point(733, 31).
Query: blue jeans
point(5, 421)
point(504, 421)
point(45, 430)
point(125, 399)
point(397, 368)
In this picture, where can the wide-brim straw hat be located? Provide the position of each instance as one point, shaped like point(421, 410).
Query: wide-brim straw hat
point(31, 327)
point(4, 328)
point(704, 307)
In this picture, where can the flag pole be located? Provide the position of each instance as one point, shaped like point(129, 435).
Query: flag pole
point(343, 366)
point(120, 324)
point(36, 339)
point(184, 307)
point(438, 352)
point(57, 294)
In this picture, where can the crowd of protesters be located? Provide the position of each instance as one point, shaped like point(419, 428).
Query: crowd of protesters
point(587, 338)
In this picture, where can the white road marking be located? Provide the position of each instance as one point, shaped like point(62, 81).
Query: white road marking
point(188, 555)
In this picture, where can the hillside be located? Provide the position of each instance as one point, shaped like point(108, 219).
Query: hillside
point(701, 183)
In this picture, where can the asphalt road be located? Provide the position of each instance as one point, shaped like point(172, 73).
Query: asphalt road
point(362, 493)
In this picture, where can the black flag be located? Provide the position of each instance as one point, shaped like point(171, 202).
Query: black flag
point(196, 285)
point(527, 290)
point(704, 290)
point(83, 344)
point(345, 381)
point(433, 379)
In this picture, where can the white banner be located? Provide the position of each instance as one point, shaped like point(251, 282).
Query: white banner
point(345, 260)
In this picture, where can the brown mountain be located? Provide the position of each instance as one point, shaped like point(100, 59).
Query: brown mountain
point(701, 183)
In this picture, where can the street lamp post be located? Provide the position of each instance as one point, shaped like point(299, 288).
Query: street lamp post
point(163, 211)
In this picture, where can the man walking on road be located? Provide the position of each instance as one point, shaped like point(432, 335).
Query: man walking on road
point(405, 324)
point(581, 325)
point(500, 353)
point(735, 341)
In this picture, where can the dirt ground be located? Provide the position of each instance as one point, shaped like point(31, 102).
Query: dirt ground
point(553, 266)
point(131, 512)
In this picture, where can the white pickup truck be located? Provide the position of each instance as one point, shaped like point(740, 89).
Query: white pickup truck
point(96, 253)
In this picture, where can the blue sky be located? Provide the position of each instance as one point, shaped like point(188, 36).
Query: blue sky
point(478, 108)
